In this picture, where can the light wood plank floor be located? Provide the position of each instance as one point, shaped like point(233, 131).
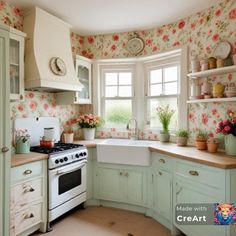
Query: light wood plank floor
point(104, 221)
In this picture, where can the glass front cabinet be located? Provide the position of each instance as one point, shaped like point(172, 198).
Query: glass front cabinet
point(83, 69)
point(16, 57)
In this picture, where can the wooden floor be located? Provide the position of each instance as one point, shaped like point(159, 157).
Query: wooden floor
point(103, 221)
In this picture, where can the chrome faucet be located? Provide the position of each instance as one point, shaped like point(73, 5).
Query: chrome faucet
point(135, 135)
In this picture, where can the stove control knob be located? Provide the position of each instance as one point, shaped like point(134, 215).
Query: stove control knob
point(61, 160)
point(81, 154)
point(84, 153)
point(77, 155)
point(65, 158)
point(56, 161)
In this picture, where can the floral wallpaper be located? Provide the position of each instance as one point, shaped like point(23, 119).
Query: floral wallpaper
point(201, 32)
point(11, 15)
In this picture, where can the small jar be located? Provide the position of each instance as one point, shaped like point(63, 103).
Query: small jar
point(212, 62)
point(204, 64)
point(219, 63)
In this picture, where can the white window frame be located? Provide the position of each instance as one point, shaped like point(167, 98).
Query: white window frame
point(161, 63)
point(139, 84)
point(116, 68)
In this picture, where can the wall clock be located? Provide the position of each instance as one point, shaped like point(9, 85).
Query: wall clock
point(58, 66)
point(135, 45)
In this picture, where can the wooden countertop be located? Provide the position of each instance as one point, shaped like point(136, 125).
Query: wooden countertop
point(89, 143)
point(219, 159)
point(21, 159)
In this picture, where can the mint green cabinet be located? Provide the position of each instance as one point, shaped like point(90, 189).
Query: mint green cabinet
point(109, 184)
point(5, 155)
point(89, 179)
point(195, 183)
point(115, 183)
point(162, 192)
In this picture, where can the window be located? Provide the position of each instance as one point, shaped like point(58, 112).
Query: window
point(135, 87)
point(162, 89)
point(117, 96)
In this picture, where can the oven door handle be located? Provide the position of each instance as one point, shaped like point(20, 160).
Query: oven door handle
point(71, 169)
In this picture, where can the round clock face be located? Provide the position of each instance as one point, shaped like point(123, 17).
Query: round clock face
point(58, 66)
point(222, 50)
point(135, 45)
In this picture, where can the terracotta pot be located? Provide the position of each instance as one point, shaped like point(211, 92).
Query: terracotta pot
point(212, 147)
point(182, 141)
point(201, 144)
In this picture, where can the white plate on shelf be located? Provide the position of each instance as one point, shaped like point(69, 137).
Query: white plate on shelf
point(222, 50)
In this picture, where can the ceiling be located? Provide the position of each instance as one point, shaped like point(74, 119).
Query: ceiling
point(91, 17)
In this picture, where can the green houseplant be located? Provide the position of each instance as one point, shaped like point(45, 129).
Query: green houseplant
point(201, 140)
point(164, 115)
point(182, 137)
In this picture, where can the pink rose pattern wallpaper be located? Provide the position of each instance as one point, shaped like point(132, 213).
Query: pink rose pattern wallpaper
point(11, 15)
point(200, 31)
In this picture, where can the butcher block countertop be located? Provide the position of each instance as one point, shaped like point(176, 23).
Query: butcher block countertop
point(21, 159)
point(219, 160)
point(189, 153)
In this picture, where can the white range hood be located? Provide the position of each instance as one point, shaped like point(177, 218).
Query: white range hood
point(48, 37)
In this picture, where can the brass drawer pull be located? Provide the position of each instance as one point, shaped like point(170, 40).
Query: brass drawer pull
point(193, 173)
point(127, 174)
point(27, 172)
point(160, 173)
point(121, 173)
point(162, 161)
point(28, 216)
point(5, 149)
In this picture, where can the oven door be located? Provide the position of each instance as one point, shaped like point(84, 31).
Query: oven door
point(66, 183)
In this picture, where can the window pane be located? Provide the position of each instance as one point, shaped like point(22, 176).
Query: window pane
point(118, 112)
point(156, 90)
point(156, 76)
point(154, 103)
point(111, 78)
point(111, 91)
point(171, 88)
point(171, 74)
point(125, 91)
point(125, 78)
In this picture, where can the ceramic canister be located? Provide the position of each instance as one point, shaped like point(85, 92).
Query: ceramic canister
point(49, 133)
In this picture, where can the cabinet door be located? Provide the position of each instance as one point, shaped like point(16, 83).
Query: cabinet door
point(185, 192)
point(83, 72)
point(134, 186)
point(16, 67)
point(5, 154)
point(162, 193)
point(109, 182)
point(89, 180)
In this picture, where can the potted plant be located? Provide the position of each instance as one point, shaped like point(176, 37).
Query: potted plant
point(182, 137)
point(88, 123)
point(228, 129)
point(164, 115)
point(212, 145)
point(201, 140)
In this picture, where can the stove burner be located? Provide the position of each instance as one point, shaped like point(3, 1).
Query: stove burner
point(59, 147)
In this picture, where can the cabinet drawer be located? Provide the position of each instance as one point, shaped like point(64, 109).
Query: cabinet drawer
point(27, 192)
point(161, 161)
point(201, 174)
point(28, 217)
point(27, 171)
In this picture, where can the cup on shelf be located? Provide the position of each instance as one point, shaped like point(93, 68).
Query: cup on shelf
point(204, 64)
point(212, 62)
point(195, 65)
point(220, 63)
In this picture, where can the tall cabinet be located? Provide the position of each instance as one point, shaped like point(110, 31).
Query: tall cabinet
point(5, 155)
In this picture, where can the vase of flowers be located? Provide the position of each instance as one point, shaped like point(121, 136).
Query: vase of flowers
point(22, 141)
point(89, 123)
point(164, 115)
point(228, 128)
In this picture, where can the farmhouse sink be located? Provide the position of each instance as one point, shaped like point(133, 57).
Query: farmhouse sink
point(124, 151)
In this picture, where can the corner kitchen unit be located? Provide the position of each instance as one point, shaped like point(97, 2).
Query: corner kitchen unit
point(65, 68)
